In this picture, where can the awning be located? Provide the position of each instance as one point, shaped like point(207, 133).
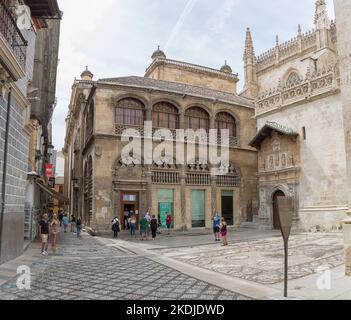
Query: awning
point(266, 131)
point(51, 192)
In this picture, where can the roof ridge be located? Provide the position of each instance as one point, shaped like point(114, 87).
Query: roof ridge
point(177, 83)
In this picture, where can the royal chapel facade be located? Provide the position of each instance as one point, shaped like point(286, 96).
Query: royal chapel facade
point(286, 137)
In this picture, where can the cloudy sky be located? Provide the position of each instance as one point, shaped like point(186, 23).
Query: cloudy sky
point(117, 37)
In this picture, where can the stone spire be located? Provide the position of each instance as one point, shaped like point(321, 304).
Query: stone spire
point(249, 48)
point(322, 24)
point(321, 19)
point(250, 87)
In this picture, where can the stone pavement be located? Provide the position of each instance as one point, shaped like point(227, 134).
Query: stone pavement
point(261, 260)
point(90, 269)
point(181, 266)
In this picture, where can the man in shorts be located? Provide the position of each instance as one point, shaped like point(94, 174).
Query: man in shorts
point(44, 234)
point(216, 226)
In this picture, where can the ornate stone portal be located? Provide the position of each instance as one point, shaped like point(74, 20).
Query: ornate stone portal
point(278, 170)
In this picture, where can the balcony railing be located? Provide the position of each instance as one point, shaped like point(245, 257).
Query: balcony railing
point(12, 35)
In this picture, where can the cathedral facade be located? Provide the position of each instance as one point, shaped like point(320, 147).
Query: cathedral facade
point(299, 114)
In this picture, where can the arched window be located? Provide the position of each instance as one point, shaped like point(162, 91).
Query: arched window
point(293, 79)
point(197, 118)
point(165, 115)
point(130, 111)
point(225, 120)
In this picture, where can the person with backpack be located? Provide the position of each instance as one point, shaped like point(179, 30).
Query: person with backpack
point(115, 227)
point(79, 227)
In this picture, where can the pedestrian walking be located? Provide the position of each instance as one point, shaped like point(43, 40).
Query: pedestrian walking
point(55, 230)
point(115, 227)
point(44, 226)
point(148, 218)
point(216, 226)
point(132, 223)
point(224, 232)
point(65, 222)
point(143, 228)
point(169, 222)
point(60, 217)
point(79, 227)
point(73, 223)
point(154, 226)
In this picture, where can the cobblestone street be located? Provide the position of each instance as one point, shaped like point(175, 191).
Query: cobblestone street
point(170, 268)
point(87, 269)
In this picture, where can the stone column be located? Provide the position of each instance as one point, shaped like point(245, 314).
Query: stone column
point(183, 198)
point(213, 121)
point(148, 175)
point(213, 194)
point(116, 200)
point(343, 26)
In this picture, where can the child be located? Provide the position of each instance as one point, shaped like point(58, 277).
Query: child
point(224, 232)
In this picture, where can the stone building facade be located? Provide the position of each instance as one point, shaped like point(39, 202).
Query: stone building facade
point(101, 186)
point(294, 92)
point(296, 86)
point(17, 69)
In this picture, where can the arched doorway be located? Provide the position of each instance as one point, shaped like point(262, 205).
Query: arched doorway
point(276, 220)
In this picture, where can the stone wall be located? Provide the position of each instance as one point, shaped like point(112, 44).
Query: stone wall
point(196, 78)
point(322, 192)
point(17, 165)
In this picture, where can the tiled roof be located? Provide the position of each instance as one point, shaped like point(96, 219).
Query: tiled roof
point(266, 130)
point(180, 88)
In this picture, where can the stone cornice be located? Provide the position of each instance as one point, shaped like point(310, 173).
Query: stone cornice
point(192, 68)
point(277, 172)
point(321, 84)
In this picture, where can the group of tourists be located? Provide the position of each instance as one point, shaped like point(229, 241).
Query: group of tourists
point(149, 225)
point(50, 227)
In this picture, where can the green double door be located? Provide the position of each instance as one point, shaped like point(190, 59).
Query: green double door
point(198, 208)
